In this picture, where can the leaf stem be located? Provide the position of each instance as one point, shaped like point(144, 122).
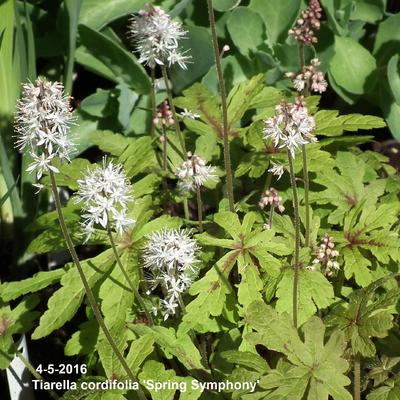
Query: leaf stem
point(225, 133)
point(357, 377)
point(297, 239)
point(36, 374)
point(88, 290)
point(130, 283)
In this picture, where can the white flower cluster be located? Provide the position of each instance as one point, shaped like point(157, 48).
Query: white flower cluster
point(309, 78)
point(170, 258)
point(291, 127)
point(326, 255)
point(156, 37)
point(194, 173)
point(43, 120)
point(105, 192)
point(277, 170)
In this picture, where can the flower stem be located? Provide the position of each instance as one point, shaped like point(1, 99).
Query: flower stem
point(227, 155)
point(271, 216)
point(199, 209)
point(186, 209)
point(305, 167)
point(153, 103)
point(301, 55)
point(199, 201)
point(164, 133)
point(130, 283)
point(173, 110)
point(36, 375)
point(357, 378)
point(306, 192)
point(297, 239)
point(267, 182)
point(88, 290)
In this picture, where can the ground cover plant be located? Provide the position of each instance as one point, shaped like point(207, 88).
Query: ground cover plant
point(200, 200)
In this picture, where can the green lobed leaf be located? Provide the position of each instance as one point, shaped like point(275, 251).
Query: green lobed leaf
point(156, 372)
point(364, 317)
point(15, 321)
point(69, 173)
point(212, 290)
point(250, 286)
point(139, 350)
point(242, 96)
point(389, 391)
point(178, 344)
point(83, 342)
point(117, 300)
point(12, 290)
point(246, 359)
point(64, 303)
point(314, 364)
point(315, 293)
point(330, 124)
point(111, 142)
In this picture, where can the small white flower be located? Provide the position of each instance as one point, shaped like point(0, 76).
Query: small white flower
point(41, 164)
point(194, 173)
point(43, 121)
point(169, 307)
point(39, 187)
point(291, 127)
point(189, 114)
point(169, 260)
point(105, 193)
point(277, 170)
point(156, 37)
point(309, 78)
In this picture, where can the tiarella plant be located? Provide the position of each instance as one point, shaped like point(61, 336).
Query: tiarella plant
point(211, 218)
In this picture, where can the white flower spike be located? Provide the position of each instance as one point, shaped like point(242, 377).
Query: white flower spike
point(43, 120)
point(105, 193)
point(291, 127)
point(170, 261)
point(156, 37)
point(194, 173)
